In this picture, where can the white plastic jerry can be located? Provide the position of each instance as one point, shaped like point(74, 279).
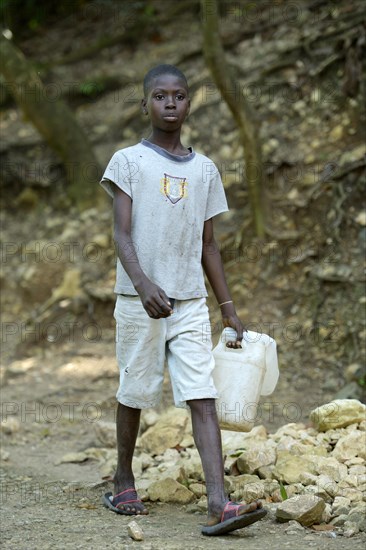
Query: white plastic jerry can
point(241, 376)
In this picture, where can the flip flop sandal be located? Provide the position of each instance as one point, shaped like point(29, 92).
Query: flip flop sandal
point(230, 520)
point(112, 502)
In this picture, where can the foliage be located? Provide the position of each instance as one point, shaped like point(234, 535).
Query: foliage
point(32, 14)
point(283, 491)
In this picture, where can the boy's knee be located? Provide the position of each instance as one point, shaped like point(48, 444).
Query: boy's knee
point(203, 407)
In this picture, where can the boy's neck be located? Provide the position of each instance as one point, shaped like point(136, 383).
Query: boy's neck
point(168, 141)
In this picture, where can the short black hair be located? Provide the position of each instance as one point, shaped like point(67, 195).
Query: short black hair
point(160, 70)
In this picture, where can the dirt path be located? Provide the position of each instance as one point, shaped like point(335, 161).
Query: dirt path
point(60, 522)
point(50, 505)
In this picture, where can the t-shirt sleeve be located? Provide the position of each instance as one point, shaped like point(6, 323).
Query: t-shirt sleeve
point(118, 171)
point(216, 200)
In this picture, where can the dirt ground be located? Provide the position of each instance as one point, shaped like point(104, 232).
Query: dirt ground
point(47, 505)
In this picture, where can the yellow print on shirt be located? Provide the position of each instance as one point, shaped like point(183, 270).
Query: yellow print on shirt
point(173, 187)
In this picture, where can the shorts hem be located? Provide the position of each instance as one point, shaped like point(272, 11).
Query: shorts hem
point(136, 404)
point(199, 394)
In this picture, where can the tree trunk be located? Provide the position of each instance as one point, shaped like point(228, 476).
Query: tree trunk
point(55, 122)
point(239, 107)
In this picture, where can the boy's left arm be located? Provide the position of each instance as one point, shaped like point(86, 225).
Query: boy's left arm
point(212, 265)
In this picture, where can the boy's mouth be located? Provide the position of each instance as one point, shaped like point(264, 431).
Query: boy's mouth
point(170, 117)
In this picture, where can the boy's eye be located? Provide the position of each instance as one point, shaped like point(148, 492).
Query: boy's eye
point(180, 97)
point(159, 96)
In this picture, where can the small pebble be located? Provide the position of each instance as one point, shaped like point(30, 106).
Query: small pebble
point(135, 531)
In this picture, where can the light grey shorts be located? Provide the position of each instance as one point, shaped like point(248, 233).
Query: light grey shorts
point(143, 344)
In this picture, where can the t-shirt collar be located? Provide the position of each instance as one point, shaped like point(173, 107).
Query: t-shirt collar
point(167, 154)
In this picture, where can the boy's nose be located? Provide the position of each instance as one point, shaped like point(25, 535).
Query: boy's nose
point(170, 104)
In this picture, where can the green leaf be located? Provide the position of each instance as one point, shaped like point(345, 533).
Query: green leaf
point(283, 491)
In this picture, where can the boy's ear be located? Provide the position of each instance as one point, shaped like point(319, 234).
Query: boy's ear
point(144, 106)
point(189, 106)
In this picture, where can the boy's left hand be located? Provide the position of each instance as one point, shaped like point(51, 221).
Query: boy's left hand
point(230, 319)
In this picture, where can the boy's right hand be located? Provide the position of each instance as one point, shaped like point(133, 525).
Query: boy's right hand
point(155, 301)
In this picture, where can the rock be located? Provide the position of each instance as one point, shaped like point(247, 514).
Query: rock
point(338, 414)
point(169, 490)
point(350, 529)
point(339, 520)
point(291, 491)
point(357, 470)
point(289, 468)
point(354, 372)
point(251, 492)
point(270, 486)
point(236, 440)
point(294, 528)
point(169, 458)
point(336, 133)
point(193, 465)
point(187, 441)
point(295, 447)
point(28, 198)
point(101, 240)
point(315, 490)
point(329, 466)
point(240, 481)
point(350, 445)
point(340, 273)
point(70, 286)
point(135, 531)
point(246, 487)
point(73, 457)
point(351, 156)
point(256, 457)
point(168, 431)
point(341, 505)
point(202, 504)
point(109, 467)
point(4, 455)
point(307, 479)
point(198, 489)
point(148, 418)
point(328, 485)
point(177, 473)
point(361, 218)
point(226, 152)
point(306, 509)
point(266, 472)
point(10, 425)
point(358, 516)
point(106, 433)
point(327, 514)
point(354, 495)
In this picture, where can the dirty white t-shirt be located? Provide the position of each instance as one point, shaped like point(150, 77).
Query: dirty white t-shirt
point(172, 196)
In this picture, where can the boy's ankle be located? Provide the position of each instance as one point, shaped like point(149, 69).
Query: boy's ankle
point(123, 483)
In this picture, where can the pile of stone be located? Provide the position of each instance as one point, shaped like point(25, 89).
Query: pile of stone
point(313, 475)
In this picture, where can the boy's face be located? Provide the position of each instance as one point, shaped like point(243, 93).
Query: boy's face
point(167, 102)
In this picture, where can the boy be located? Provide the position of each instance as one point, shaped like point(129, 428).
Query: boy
point(164, 198)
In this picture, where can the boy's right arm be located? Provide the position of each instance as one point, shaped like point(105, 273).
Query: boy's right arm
point(153, 298)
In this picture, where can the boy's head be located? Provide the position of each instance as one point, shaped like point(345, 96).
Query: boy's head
point(166, 97)
point(161, 70)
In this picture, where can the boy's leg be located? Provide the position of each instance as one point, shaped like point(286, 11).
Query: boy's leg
point(206, 433)
point(128, 422)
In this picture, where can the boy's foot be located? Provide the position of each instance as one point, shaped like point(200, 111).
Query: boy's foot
point(234, 516)
point(126, 503)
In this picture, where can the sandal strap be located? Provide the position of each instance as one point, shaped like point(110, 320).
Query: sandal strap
point(118, 501)
point(125, 491)
point(230, 507)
